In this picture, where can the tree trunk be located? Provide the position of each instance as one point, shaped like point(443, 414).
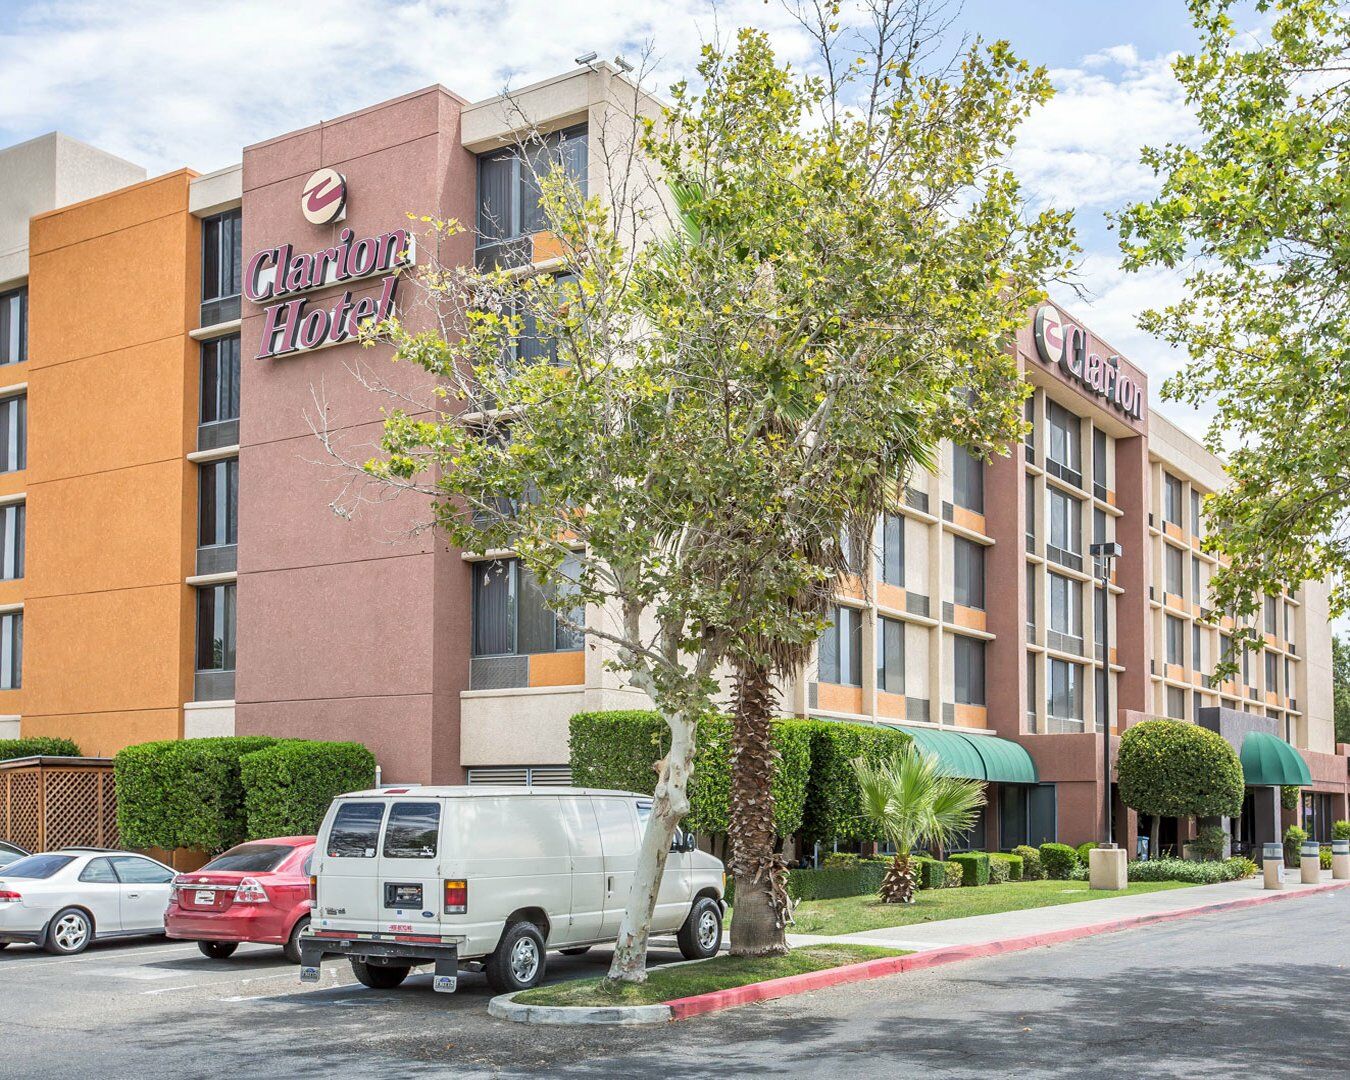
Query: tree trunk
point(898, 885)
point(1154, 837)
point(758, 868)
point(670, 803)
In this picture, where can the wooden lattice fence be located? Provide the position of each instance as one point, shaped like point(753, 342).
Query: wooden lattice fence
point(52, 802)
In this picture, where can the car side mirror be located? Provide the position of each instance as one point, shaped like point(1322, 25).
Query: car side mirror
point(684, 842)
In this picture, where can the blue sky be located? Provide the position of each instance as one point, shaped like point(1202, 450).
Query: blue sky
point(168, 84)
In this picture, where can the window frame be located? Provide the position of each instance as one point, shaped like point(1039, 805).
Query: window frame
point(964, 651)
point(14, 299)
point(225, 591)
point(968, 573)
point(565, 639)
point(11, 650)
point(13, 540)
point(228, 248)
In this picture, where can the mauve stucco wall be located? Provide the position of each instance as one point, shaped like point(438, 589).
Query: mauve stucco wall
point(348, 629)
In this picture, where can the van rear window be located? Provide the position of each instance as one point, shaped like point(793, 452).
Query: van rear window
point(356, 830)
point(412, 830)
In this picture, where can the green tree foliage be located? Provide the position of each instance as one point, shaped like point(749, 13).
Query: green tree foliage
point(1259, 212)
point(1340, 687)
point(1172, 769)
point(289, 785)
point(37, 746)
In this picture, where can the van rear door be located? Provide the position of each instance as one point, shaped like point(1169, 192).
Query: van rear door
point(348, 886)
point(409, 868)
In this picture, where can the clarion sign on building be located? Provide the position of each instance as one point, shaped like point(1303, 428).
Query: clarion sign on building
point(291, 326)
point(1059, 341)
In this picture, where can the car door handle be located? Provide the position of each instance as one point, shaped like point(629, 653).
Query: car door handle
point(133, 896)
point(609, 884)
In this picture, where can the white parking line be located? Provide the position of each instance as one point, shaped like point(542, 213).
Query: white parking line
point(48, 961)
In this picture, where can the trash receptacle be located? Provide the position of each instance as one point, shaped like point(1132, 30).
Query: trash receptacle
point(1272, 864)
point(1310, 862)
point(1340, 860)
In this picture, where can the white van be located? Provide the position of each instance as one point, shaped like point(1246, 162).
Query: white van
point(495, 876)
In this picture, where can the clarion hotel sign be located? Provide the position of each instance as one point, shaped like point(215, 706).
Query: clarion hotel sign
point(1061, 342)
point(277, 273)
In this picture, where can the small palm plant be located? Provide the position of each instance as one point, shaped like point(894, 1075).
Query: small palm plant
point(910, 798)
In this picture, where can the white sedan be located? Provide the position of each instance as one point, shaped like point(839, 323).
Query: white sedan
point(63, 900)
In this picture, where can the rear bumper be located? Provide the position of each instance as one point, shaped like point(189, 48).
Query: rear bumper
point(266, 927)
point(22, 937)
point(384, 951)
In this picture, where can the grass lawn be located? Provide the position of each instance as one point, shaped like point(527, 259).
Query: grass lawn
point(851, 914)
point(719, 973)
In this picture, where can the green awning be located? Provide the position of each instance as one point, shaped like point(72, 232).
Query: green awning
point(1269, 761)
point(976, 757)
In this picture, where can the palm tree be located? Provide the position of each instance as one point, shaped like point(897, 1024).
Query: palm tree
point(911, 799)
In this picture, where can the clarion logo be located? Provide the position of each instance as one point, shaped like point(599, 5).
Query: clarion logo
point(325, 197)
point(1061, 342)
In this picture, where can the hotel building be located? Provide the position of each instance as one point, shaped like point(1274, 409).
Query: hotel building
point(181, 572)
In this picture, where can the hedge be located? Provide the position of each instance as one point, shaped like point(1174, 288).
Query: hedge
point(1012, 862)
point(830, 883)
point(1340, 830)
point(1168, 768)
point(289, 785)
point(183, 792)
point(998, 872)
point(1058, 861)
point(833, 802)
point(37, 746)
point(931, 874)
point(955, 874)
point(1031, 862)
point(1082, 852)
point(1293, 841)
point(1195, 873)
point(974, 867)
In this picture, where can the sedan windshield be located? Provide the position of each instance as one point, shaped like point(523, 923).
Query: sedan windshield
point(250, 858)
point(36, 867)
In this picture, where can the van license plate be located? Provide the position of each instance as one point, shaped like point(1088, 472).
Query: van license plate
point(309, 974)
point(402, 896)
point(444, 984)
point(205, 896)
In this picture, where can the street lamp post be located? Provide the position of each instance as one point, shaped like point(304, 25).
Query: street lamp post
point(1104, 555)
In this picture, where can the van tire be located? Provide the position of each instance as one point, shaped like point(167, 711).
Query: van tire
point(518, 961)
point(217, 950)
point(377, 977)
point(701, 935)
point(580, 950)
point(291, 949)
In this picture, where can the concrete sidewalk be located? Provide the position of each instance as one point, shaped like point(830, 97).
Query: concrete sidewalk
point(985, 929)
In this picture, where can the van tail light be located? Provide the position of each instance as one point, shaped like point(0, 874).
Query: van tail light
point(456, 897)
point(251, 892)
point(7, 897)
point(314, 890)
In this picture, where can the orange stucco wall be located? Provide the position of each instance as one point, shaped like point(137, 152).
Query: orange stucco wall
point(112, 409)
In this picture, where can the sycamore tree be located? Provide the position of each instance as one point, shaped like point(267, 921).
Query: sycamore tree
point(768, 306)
point(1258, 211)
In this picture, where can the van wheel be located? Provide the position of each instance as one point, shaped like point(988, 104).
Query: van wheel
point(292, 947)
point(376, 977)
point(580, 950)
point(518, 962)
point(217, 950)
point(701, 935)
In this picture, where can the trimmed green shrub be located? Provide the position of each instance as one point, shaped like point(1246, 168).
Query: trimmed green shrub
point(974, 867)
point(183, 792)
point(289, 785)
point(861, 880)
point(932, 874)
point(833, 808)
point(1172, 769)
point(1031, 862)
point(37, 746)
point(1289, 796)
point(1340, 830)
point(1210, 841)
point(1293, 840)
point(998, 871)
point(955, 874)
point(1083, 850)
point(1057, 860)
point(1324, 856)
point(1012, 862)
point(617, 749)
point(840, 860)
point(1195, 873)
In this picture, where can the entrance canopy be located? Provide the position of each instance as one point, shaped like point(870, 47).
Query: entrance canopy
point(976, 757)
point(1269, 761)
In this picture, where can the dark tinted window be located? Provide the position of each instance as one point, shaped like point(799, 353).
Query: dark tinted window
point(967, 479)
point(222, 237)
point(220, 379)
point(968, 572)
point(11, 651)
point(37, 867)
point(99, 871)
point(968, 664)
point(251, 858)
point(14, 326)
point(133, 870)
point(218, 503)
point(411, 833)
point(12, 520)
point(215, 628)
point(356, 830)
point(14, 433)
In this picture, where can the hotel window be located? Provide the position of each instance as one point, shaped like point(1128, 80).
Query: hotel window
point(1030, 488)
point(14, 433)
point(1066, 612)
point(1066, 529)
point(891, 557)
point(12, 529)
point(218, 503)
point(1197, 653)
point(890, 656)
point(216, 628)
point(1172, 500)
point(1099, 603)
point(1272, 673)
point(1065, 455)
point(1195, 512)
point(1176, 703)
point(508, 194)
point(1176, 640)
point(967, 479)
point(1031, 691)
point(1196, 593)
point(968, 572)
point(1099, 485)
point(222, 266)
point(1271, 615)
point(1099, 676)
point(1247, 666)
point(1064, 697)
point(512, 615)
point(11, 651)
point(1099, 528)
point(14, 326)
point(1031, 598)
point(1288, 621)
point(841, 649)
point(1029, 414)
point(968, 669)
point(1288, 677)
point(219, 393)
point(1174, 562)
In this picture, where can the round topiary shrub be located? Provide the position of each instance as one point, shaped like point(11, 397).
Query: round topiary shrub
point(1168, 768)
point(1058, 861)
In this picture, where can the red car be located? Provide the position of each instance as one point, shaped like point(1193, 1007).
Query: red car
point(256, 892)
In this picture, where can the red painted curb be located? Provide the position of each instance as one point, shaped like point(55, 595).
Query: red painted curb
point(789, 985)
